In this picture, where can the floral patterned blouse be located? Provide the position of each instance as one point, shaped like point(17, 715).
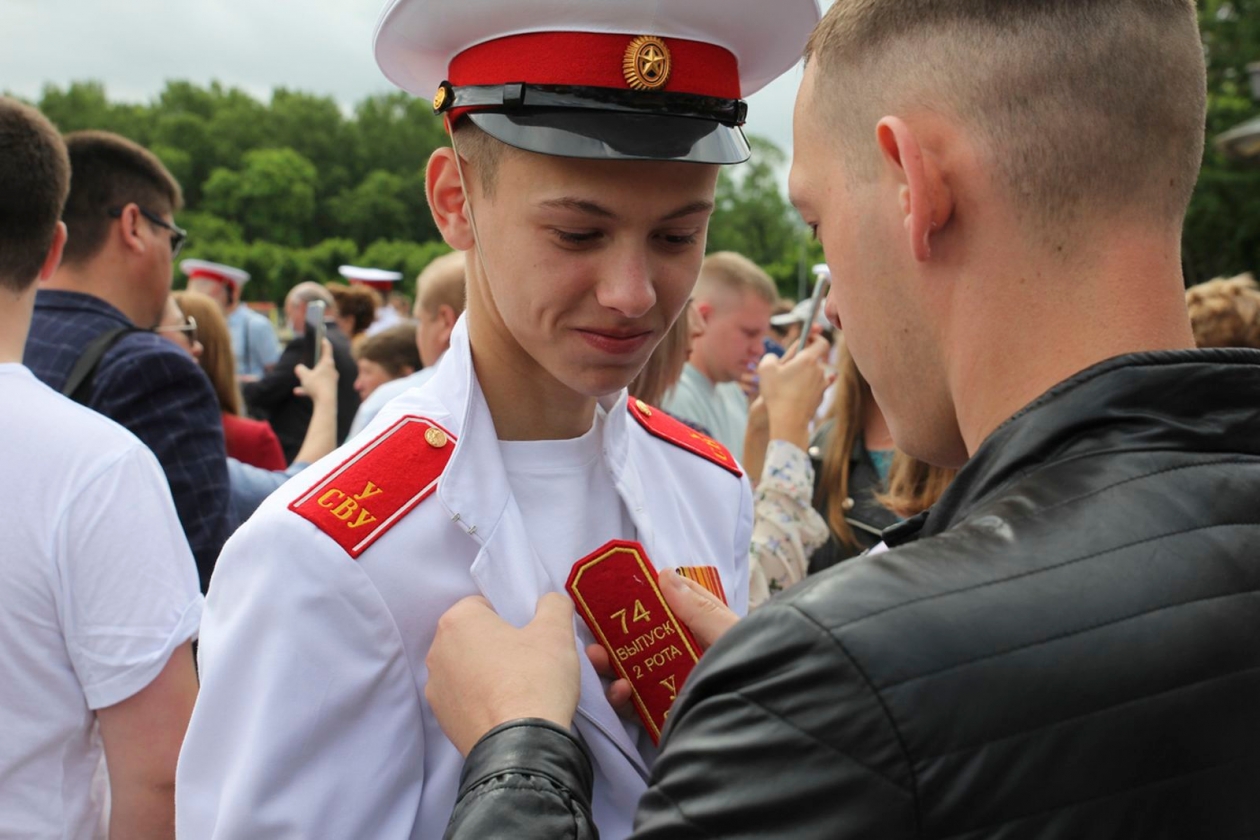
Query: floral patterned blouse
point(786, 528)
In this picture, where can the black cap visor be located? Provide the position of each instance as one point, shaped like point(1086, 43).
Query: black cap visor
point(615, 135)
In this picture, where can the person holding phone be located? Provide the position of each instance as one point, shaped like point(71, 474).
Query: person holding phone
point(273, 397)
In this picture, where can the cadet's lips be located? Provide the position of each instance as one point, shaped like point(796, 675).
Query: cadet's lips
point(618, 342)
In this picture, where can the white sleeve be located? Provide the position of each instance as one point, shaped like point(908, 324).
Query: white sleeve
point(308, 723)
point(129, 590)
point(743, 539)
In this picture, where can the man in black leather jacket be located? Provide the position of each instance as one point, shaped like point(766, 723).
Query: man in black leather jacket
point(1068, 644)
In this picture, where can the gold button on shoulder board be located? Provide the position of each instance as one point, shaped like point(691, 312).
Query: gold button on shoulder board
point(644, 408)
point(647, 63)
point(435, 438)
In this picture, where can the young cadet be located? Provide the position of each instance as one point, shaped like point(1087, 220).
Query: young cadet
point(254, 342)
point(588, 137)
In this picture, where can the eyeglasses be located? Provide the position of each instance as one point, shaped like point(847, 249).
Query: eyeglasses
point(189, 327)
point(178, 235)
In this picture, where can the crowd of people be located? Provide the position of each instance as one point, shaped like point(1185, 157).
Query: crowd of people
point(967, 550)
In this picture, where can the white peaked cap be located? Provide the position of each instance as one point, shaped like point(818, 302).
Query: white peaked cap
point(214, 271)
point(369, 275)
point(416, 40)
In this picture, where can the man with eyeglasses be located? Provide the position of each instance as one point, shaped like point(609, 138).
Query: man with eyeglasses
point(90, 335)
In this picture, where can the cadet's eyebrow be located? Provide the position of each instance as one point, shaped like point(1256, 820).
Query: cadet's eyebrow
point(580, 205)
point(693, 207)
point(592, 209)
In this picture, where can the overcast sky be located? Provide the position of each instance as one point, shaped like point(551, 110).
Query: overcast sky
point(318, 46)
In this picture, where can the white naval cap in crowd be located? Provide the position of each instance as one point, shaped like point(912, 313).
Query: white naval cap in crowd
point(206, 270)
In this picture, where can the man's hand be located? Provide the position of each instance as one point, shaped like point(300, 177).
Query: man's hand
point(320, 383)
point(696, 607)
point(484, 672)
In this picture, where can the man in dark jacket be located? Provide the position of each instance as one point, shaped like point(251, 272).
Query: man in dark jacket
point(1068, 643)
point(115, 278)
point(273, 397)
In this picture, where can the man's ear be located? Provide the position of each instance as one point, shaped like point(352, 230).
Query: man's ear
point(927, 203)
point(447, 200)
point(53, 258)
point(705, 310)
point(448, 316)
point(129, 222)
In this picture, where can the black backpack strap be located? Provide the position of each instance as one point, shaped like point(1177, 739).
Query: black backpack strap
point(79, 383)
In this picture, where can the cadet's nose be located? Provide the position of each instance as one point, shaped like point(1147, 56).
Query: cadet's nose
point(627, 286)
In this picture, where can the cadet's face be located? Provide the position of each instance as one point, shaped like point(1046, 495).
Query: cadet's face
point(212, 289)
point(588, 263)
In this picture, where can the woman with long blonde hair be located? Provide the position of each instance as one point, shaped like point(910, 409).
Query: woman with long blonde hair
point(249, 441)
point(865, 484)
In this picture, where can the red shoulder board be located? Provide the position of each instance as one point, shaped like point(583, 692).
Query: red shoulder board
point(378, 485)
point(661, 425)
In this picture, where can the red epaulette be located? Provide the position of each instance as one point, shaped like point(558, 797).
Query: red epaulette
point(661, 425)
point(373, 489)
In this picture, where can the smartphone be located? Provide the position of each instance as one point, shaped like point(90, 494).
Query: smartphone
point(316, 329)
point(820, 293)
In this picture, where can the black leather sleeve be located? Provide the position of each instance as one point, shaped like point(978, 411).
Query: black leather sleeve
point(525, 779)
point(778, 735)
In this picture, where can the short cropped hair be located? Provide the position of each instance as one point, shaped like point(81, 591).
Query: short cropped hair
point(309, 291)
point(1079, 105)
point(442, 284)
point(1225, 312)
point(726, 272)
point(394, 349)
point(109, 172)
point(34, 180)
point(481, 152)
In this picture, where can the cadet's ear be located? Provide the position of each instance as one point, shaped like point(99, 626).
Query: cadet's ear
point(447, 201)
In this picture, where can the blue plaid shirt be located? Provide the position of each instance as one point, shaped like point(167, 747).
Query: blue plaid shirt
point(155, 390)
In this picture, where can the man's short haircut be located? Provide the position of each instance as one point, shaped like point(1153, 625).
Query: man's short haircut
point(442, 284)
point(482, 155)
point(308, 291)
point(110, 172)
point(726, 275)
point(1225, 312)
point(1080, 106)
point(394, 349)
point(34, 179)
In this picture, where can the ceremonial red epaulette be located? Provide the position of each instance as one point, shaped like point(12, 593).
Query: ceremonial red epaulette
point(661, 425)
point(379, 484)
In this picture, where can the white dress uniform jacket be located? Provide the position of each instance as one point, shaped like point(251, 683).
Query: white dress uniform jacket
point(312, 723)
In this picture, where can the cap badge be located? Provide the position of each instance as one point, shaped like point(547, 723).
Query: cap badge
point(442, 97)
point(647, 63)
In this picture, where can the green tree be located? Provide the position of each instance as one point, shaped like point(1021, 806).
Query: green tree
point(753, 217)
point(1222, 233)
point(375, 209)
point(272, 197)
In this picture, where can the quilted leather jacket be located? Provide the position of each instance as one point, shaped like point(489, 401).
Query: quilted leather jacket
point(1066, 646)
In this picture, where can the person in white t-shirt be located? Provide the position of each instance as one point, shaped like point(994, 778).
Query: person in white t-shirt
point(439, 303)
point(101, 597)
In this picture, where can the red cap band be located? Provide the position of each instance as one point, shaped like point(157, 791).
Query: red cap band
point(206, 274)
point(591, 59)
